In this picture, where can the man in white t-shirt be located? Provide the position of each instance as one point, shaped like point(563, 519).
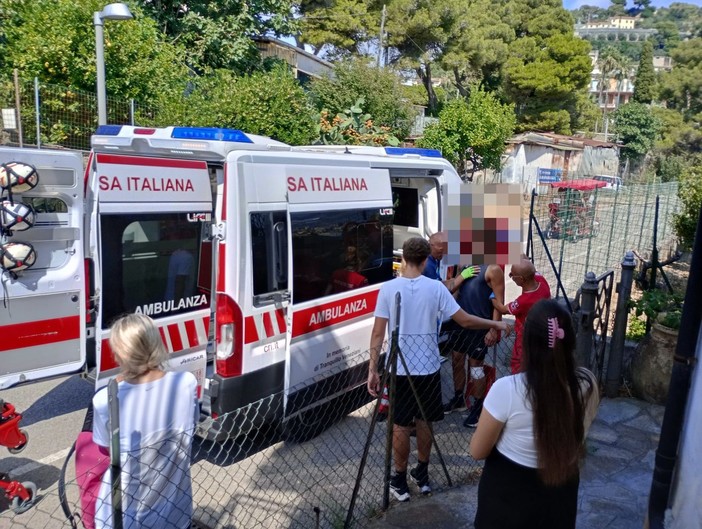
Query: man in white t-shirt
point(423, 300)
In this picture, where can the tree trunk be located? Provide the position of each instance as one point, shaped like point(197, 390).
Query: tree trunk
point(459, 83)
point(424, 73)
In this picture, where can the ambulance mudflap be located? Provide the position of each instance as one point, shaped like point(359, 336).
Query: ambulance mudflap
point(153, 217)
point(43, 313)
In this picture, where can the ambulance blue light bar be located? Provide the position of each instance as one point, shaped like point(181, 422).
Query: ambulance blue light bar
point(108, 130)
point(399, 151)
point(207, 133)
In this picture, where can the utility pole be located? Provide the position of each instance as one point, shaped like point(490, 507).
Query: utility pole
point(380, 38)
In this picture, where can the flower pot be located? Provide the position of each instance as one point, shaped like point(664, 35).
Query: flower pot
point(653, 363)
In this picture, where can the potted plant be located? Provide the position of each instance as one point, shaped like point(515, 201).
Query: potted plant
point(653, 362)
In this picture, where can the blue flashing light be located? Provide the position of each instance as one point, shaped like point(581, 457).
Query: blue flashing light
point(210, 133)
point(399, 151)
point(108, 130)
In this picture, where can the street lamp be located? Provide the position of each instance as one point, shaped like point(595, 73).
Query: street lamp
point(117, 11)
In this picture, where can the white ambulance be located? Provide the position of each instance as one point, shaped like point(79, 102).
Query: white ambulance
point(259, 262)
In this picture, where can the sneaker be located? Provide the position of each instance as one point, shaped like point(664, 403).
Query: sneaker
point(420, 475)
point(399, 488)
point(457, 403)
point(474, 414)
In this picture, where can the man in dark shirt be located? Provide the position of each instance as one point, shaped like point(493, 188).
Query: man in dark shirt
point(474, 296)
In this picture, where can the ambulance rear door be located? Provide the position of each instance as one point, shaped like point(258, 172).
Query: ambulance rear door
point(43, 312)
point(153, 254)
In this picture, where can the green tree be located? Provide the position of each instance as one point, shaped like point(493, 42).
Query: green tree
point(545, 81)
point(339, 27)
point(471, 134)
point(268, 103)
point(217, 34)
point(380, 89)
point(538, 19)
point(637, 129)
point(690, 193)
point(617, 8)
point(645, 86)
point(418, 31)
point(478, 45)
point(139, 62)
point(681, 88)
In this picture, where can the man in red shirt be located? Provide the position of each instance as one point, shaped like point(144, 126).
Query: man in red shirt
point(534, 288)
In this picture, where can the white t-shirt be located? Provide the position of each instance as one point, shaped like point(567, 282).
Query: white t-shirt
point(424, 302)
point(508, 403)
point(157, 422)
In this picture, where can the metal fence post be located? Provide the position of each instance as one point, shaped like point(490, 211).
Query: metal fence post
point(37, 109)
point(584, 319)
point(131, 112)
point(115, 463)
point(621, 315)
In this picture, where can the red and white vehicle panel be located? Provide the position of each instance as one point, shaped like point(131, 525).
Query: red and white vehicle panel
point(260, 263)
point(42, 316)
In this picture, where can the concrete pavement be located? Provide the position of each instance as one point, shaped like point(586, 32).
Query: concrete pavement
point(614, 482)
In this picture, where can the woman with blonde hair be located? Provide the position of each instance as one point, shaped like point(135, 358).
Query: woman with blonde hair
point(531, 430)
point(158, 410)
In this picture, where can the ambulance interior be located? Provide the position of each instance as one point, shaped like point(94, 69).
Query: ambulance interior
point(416, 209)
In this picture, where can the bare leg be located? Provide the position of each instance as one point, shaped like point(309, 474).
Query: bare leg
point(401, 446)
point(458, 365)
point(423, 441)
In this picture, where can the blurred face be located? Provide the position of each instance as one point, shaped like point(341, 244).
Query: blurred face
point(438, 247)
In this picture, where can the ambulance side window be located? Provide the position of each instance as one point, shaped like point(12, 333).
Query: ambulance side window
point(269, 253)
point(339, 251)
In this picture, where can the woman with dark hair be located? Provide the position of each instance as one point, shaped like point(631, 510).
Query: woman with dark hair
point(532, 428)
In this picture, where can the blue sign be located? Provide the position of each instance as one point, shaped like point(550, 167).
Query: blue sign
point(546, 176)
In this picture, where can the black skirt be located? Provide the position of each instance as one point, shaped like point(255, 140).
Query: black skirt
point(512, 496)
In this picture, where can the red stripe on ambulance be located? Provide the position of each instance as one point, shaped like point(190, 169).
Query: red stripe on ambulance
point(36, 333)
point(328, 314)
point(176, 337)
point(268, 324)
point(280, 316)
point(117, 159)
point(250, 332)
point(176, 340)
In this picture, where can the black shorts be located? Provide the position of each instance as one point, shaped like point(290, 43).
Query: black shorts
point(466, 341)
point(428, 388)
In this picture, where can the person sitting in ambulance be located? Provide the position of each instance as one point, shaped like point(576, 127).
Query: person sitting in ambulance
point(349, 277)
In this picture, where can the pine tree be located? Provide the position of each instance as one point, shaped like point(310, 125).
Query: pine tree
point(645, 86)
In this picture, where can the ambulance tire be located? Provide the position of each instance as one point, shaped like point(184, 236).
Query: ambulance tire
point(309, 424)
point(306, 426)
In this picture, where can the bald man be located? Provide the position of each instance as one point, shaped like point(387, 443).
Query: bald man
point(534, 288)
point(438, 244)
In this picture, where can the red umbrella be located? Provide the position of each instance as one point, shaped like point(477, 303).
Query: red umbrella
point(585, 184)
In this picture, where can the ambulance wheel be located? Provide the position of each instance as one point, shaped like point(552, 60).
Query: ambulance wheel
point(304, 427)
point(19, 448)
point(19, 506)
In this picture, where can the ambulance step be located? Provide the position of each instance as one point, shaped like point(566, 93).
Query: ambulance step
point(89, 374)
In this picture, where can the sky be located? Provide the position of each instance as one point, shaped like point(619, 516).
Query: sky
point(574, 4)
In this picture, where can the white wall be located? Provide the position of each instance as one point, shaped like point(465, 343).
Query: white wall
point(686, 512)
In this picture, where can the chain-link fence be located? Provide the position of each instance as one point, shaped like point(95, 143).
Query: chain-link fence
point(301, 473)
point(55, 116)
point(584, 230)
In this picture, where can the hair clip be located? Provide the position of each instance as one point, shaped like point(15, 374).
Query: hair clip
point(554, 331)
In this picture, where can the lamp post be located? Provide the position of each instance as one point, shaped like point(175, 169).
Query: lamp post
point(117, 11)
